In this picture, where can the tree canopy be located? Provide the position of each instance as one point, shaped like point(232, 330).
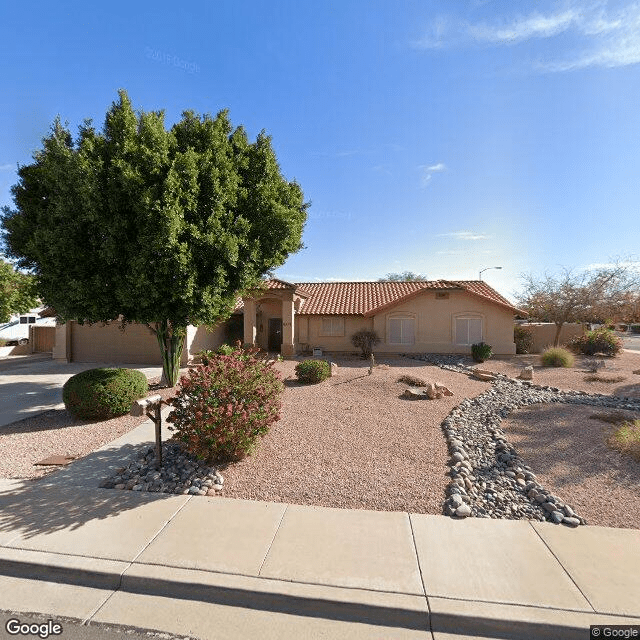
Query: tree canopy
point(587, 296)
point(405, 276)
point(17, 292)
point(149, 225)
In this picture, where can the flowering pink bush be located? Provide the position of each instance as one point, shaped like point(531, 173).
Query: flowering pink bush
point(222, 408)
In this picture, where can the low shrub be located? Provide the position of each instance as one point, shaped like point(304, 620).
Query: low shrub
point(223, 407)
point(225, 350)
point(557, 357)
point(3, 342)
point(204, 356)
point(481, 351)
point(523, 337)
point(635, 328)
point(312, 371)
point(100, 394)
point(365, 340)
point(600, 378)
point(602, 341)
point(413, 381)
point(626, 439)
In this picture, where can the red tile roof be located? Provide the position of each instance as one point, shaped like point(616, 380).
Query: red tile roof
point(369, 298)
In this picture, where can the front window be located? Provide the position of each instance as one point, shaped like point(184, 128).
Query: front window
point(332, 326)
point(468, 330)
point(402, 330)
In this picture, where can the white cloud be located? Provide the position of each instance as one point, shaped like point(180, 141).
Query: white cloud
point(633, 265)
point(533, 26)
point(612, 43)
point(466, 235)
point(434, 36)
point(600, 35)
point(429, 170)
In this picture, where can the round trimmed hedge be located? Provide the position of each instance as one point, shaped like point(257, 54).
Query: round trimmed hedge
point(100, 394)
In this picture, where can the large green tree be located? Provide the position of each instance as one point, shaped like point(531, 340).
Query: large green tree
point(149, 225)
point(17, 291)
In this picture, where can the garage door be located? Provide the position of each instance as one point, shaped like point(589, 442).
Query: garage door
point(97, 343)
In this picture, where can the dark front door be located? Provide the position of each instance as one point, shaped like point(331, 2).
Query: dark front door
point(275, 334)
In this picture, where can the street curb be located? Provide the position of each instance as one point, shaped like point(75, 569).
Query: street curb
point(291, 598)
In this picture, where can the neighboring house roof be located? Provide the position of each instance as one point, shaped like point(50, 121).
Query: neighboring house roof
point(369, 298)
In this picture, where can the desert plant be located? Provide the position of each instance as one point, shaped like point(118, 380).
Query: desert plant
point(365, 340)
point(523, 337)
point(598, 341)
point(557, 357)
point(222, 408)
point(481, 351)
point(312, 371)
point(100, 394)
point(626, 439)
point(413, 381)
point(609, 379)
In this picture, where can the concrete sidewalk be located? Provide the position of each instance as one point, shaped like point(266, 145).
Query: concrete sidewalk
point(225, 568)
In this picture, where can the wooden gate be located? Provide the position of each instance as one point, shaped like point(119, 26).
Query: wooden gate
point(42, 338)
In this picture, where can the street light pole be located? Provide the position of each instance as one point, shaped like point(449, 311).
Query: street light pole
point(487, 269)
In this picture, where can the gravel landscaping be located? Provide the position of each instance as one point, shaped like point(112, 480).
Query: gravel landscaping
point(57, 432)
point(507, 449)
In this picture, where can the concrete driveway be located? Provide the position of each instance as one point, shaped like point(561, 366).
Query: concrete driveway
point(29, 387)
point(632, 342)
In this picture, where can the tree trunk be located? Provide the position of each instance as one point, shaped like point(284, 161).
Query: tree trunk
point(558, 330)
point(171, 341)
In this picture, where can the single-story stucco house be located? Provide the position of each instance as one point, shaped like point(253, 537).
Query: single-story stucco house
point(436, 316)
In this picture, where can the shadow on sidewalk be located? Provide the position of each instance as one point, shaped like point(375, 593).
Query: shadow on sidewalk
point(70, 498)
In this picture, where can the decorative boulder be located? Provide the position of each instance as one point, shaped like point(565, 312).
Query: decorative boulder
point(483, 374)
point(526, 373)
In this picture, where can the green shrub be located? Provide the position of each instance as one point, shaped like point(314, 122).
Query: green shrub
point(312, 371)
point(224, 407)
point(635, 328)
point(557, 357)
point(3, 342)
point(598, 341)
point(204, 356)
point(225, 350)
point(523, 337)
point(100, 394)
point(481, 351)
point(365, 340)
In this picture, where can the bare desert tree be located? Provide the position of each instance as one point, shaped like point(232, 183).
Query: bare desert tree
point(580, 296)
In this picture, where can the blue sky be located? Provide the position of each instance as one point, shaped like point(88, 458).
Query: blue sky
point(440, 137)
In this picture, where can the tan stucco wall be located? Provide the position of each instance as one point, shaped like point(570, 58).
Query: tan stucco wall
point(308, 332)
point(544, 334)
point(435, 321)
point(201, 338)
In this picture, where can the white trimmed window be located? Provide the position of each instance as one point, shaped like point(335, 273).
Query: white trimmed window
point(332, 326)
point(402, 330)
point(468, 330)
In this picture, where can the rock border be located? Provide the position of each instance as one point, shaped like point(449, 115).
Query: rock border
point(489, 479)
